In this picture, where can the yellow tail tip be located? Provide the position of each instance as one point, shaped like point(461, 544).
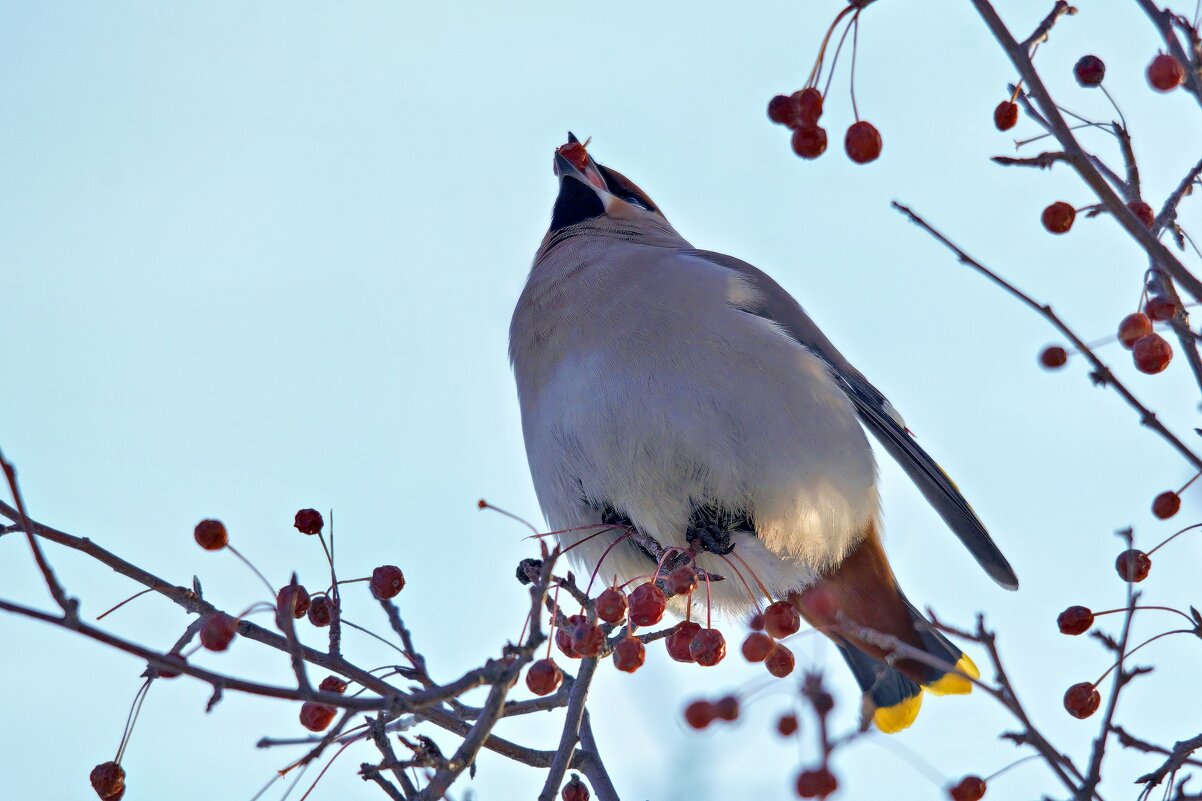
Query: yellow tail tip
point(892, 719)
point(954, 683)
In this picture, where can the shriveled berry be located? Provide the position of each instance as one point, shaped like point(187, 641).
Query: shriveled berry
point(708, 647)
point(809, 104)
point(647, 605)
point(1075, 620)
point(294, 601)
point(682, 580)
point(1134, 327)
point(108, 780)
point(1058, 217)
point(629, 655)
point(1165, 73)
point(315, 716)
point(211, 535)
point(971, 788)
point(563, 636)
point(1133, 565)
point(757, 646)
point(308, 521)
point(1005, 116)
point(333, 684)
point(784, 110)
point(786, 725)
point(1143, 211)
point(680, 639)
point(544, 677)
point(862, 142)
point(218, 631)
point(1166, 504)
point(823, 701)
point(1089, 71)
point(809, 141)
point(321, 611)
point(1152, 354)
point(1082, 700)
point(1053, 357)
point(780, 662)
point(816, 783)
point(574, 790)
point(756, 622)
point(587, 638)
point(781, 619)
point(387, 581)
point(700, 714)
point(727, 708)
point(1160, 308)
point(611, 605)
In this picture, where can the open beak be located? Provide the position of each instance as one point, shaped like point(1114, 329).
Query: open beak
point(572, 160)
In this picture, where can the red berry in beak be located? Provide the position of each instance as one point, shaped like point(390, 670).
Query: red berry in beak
point(308, 521)
point(108, 780)
point(1152, 354)
point(647, 605)
point(971, 788)
point(1058, 217)
point(1166, 504)
point(1133, 566)
point(757, 646)
point(218, 631)
point(1075, 620)
point(544, 677)
point(1089, 71)
point(1133, 328)
point(708, 647)
point(781, 619)
point(780, 662)
point(1165, 73)
point(1082, 700)
point(699, 714)
point(211, 535)
point(575, 153)
point(315, 716)
point(387, 581)
point(629, 655)
point(1005, 116)
point(862, 142)
point(681, 639)
point(610, 605)
point(1053, 357)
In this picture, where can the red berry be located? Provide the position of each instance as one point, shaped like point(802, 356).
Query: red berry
point(809, 105)
point(1075, 620)
point(680, 639)
point(708, 647)
point(587, 638)
point(816, 783)
point(1053, 357)
point(757, 646)
point(822, 700)
point(787, 725)
point(781, 619)
point(1058, 217)
point(387, 581)
point(1133, 327)
point(682, 580)
point(1082, 700)
point(315, 716)
point(174, 659)
point(780, 662)
point(544, 677)
point(1005, 116)
point(611, 605)
point(1144, 212)
point(727, 708)
point(647, 605)
point(862, 142)
point(333, 684)
point(1152, 354)
point(784, 110)
point(1166, 504)
point(971, 788)
point(1133, 566)
point(1165, 73)
point(575, 153)
point(1160, 309)
point(629, 655)
point(108, 780)
point(699, 714)
point(300, 602)
point(218, 631)
point(308, 521)
point(563, 636)
point(1089, 71)
point(809, 141)
point(574, 790)
point(211, 535)
point(321, 611)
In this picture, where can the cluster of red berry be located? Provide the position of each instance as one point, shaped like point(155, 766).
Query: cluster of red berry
point(799, 112)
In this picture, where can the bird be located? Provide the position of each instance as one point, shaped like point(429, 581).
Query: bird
point(684, 396)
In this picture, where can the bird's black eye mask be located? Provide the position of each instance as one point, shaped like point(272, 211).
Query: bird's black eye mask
point(621, 186)
point(575, 204)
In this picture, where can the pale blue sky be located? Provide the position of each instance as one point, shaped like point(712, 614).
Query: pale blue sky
point(263, 256)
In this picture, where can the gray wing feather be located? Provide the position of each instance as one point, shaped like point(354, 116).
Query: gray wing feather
point(878, 416)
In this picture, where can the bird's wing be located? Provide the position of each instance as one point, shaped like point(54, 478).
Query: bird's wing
point(878, 415)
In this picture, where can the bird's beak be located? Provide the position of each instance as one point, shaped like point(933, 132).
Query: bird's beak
point(586, 172)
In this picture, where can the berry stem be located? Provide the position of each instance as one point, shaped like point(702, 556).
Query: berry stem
point(1147, 608)
point(551, 627)
point(1173, 537)
point(743, 581)
point(1013, 764)
point(817, 70)
point(131, 719)
point(123, 603)
point(483, 504)
point(1185, 486)
point(326, 767)
point(760, 584)
point(601, 561)
point(855, 46)
point(255, 570)
point(835, 61)
point(375, 636)
point(708, 605)
point(1130, 653)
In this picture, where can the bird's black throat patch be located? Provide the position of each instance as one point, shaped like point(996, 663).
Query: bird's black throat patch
point(575, 204)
